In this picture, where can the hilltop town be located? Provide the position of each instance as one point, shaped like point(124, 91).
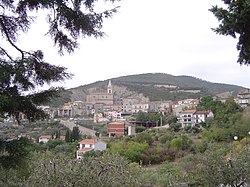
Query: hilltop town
point(104, 106)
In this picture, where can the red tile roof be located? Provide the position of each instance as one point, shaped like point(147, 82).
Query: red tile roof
point(45, 137)
point(89, 141)
point(189, 111)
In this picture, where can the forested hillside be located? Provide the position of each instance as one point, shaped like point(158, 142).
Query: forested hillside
point(153, 86)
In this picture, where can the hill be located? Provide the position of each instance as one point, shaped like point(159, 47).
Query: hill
point(155, 86)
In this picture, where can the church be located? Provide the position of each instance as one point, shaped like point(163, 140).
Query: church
point(106, 98)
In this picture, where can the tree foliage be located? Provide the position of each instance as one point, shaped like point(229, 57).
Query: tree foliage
point(131, 150)
point(75, 136)
point(235, 22)
point(154, 117)
point(107, 170)
point(23, 70)
point(222, 167)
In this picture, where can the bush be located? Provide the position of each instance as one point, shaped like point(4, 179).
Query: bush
point(144, 137)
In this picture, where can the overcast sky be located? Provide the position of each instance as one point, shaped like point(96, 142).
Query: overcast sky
point(146, 36)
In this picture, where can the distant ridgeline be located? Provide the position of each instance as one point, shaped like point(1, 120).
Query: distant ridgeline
point(154, 86)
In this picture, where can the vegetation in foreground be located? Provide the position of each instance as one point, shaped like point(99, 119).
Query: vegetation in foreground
point(204, 155)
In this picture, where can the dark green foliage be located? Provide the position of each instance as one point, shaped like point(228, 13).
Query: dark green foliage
point(107, 170)
point(75, 136)
point(225, 114)
point(222, 166)
point(181, 143)
point(150, 117)
point(58, 134)
point(51, 144)
point(14, 153)
point(171, 119)
point(144, 83)
point(129, 149)
point(23, 72)
point(175, 127)
point(234, 21)
point(182, 82)
point(144, 137)
point(68, 137)
point(208, 103)
point(156, 156)
point(14, 160)
point(192, 129)
point(139, 129)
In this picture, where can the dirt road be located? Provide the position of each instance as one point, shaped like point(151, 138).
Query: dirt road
point(83, 130)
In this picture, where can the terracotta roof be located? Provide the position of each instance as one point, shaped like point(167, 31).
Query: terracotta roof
point(45, 137)
point(189, 111)
point(116, 126)
point(89, 141)
point(62, 137)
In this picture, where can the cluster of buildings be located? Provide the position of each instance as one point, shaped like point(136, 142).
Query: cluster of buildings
point(103, 106)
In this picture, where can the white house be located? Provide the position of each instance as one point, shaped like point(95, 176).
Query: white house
point(192, 117)
point(243, 97)
point(187, 118)
point(201, 116)
point(89, 145)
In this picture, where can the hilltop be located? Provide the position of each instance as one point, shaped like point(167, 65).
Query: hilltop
point(154, 86)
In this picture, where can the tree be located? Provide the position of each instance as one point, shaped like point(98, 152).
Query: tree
point(144, 137)
point(58, 134)
point(107, 170)
point(235, 21)
point(222, 167)
point(130, 149)
point(14, 157)
point(208, 103)
point(75, 134)
point(68, 136)
point(23, 70)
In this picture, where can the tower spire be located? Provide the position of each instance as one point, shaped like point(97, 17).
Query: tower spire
point(109, 88)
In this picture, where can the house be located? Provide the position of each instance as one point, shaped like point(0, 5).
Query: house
point(193, 117)
point(143, 107)
point(201, 116)
point(90, 145)
point(187, 117)
point(45, 139)
point(243, 97)
point(116, 129)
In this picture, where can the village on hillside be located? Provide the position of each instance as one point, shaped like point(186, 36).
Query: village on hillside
point(104, 107)
point(117, 116)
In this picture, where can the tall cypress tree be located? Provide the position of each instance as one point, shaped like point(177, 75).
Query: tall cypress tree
point(75, 134)
point(68, 136)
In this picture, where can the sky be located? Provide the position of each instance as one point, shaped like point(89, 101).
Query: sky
point(146, 36)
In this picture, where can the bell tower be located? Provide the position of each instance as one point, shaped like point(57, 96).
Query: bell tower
point(109, 88)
